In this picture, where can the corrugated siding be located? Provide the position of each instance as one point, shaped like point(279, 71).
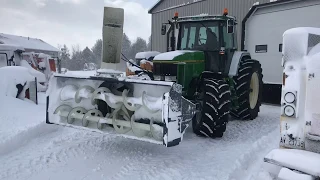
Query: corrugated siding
point(237, 8)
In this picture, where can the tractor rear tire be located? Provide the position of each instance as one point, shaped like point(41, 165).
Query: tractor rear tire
point(215, 106)
point(248, 87)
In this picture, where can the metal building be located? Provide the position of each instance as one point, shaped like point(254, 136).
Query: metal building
point(164, 10)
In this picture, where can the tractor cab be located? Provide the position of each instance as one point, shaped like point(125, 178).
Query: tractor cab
point(212, 37)
point(202, 32)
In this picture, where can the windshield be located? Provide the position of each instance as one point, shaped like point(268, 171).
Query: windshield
point(199, 35)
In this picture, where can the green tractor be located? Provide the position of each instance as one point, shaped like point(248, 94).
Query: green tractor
point(202, 56)
point(199, 81)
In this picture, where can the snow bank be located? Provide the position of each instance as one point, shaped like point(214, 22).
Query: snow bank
point(11, 76)
point(170, 55)
point(20, 121)
point(40, 76)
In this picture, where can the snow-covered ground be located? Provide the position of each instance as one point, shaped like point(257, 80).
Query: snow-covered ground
point(31, 149)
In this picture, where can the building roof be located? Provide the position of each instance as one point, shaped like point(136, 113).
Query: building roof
point(26, 42)
point(152, 8)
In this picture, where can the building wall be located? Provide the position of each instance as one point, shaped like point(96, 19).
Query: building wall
point(163, 12)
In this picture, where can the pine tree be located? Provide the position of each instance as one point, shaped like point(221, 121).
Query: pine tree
point(76, 62)
point(139, 46)
point(87, 56)
point(97, 52)
point(126, 46)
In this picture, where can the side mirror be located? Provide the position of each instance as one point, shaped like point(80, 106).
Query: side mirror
point(163, 29)
point(230, 26)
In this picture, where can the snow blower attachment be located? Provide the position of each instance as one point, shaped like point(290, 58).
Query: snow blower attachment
point(107, 101)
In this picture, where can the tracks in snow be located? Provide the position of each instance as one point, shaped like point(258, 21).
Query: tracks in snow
point(75, 154)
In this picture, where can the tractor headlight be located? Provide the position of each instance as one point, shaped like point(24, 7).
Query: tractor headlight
point(289, 111)
point(289, 97)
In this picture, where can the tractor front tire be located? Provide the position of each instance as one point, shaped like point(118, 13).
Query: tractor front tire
point(215, 103)
point(248, 87)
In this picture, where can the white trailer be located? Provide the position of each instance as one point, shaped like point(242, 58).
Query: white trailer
point(262, 32)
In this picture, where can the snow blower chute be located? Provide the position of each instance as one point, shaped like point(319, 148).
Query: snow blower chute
point(107, 101)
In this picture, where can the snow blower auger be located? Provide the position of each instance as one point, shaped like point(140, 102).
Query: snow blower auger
point(107, 101)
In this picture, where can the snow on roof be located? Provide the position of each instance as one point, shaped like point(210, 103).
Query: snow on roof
point(26, 42)
point(10, 47)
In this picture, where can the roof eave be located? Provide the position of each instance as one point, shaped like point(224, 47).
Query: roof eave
point(152, 8)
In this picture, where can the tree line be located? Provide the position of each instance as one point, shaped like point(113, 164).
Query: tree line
point(75, 58)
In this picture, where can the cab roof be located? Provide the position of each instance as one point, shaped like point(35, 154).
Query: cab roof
point(205, 17)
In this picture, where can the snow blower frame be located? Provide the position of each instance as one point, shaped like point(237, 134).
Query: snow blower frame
point(160, 115)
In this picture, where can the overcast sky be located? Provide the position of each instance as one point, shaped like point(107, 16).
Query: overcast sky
point(71, 22)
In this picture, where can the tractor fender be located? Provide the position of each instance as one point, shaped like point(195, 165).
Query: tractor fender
point(237, 56)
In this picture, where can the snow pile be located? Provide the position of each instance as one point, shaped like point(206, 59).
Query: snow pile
point(170, 55)
point(40, 76)
point(10, 77)
point(19, 120)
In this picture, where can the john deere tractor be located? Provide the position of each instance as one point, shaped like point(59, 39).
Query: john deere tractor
point(203, 57)
point(201, 79)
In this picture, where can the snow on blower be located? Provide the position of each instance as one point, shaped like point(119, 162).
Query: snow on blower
point(160, 94)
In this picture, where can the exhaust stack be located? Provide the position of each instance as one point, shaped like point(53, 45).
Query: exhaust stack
point(112, 34)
